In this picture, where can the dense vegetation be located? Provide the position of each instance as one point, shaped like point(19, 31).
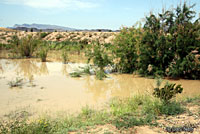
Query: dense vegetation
point(167, 45)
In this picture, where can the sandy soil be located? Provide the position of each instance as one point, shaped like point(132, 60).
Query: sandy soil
point(89, 37)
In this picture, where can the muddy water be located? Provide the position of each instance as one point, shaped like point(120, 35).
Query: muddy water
point(48, 87)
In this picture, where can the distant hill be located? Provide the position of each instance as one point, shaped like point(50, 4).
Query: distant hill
point(51, 28)
point(6, 29)
point(43, 27)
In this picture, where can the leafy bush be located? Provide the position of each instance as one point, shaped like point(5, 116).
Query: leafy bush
point(189, 67)
point(166, 93)
point(59, 36)
point(98, 54)
point(43, 34)
point(167, 43)
point(43, 53)
point(65, 55)
point(125, 49)
point(25, 46)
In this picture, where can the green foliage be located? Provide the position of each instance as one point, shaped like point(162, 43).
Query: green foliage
point(172, 108)
point(99, 55)
point(87, 112)
point(76, 74)
point(43, 34)
point(167, 43)
point(189, 67)
point(100, 74)
point(25, 46)
point(141, 110)
point(43, 51)
point(71, 46)
point(125, 49)
point(81, 71)
point(59, 36)
point(166, 93)
point(86, 70)
point(5, 46)
point(20, 125)
point(65, 56)
point(127, 121)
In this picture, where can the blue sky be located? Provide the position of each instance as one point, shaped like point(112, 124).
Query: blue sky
point(83, 14)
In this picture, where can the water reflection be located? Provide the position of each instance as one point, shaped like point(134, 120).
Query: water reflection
point(98, 88)
point(1, 68)
point(30, 68)
point(43, 69)
point(71, 93)
point(64, 69)
point(121, 85)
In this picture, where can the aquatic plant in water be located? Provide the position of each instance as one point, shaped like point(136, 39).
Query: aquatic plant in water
point(18, 82)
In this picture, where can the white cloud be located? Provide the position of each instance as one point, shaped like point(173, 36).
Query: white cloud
point(46, 4)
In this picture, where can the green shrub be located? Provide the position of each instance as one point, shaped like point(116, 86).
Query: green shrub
point(25, 46)
point(167, 45)
point(125, 49)
point(43, 53)
point(172, 108)
point(156, 107)
point(188, 68)
point(166, 93)
point(65, 56)
point(59, 36)
point(43, 34)
point(99, 55)
point(100, 74)
point(43, 49)
point(168, 40)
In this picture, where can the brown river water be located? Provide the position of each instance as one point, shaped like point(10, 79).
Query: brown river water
point(49, 87)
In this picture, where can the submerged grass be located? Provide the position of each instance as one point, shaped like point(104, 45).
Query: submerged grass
point(82, 71)
point(122, 113)
point(18, 82)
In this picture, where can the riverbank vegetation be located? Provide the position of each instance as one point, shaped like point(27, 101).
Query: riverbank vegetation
point(167, 45)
